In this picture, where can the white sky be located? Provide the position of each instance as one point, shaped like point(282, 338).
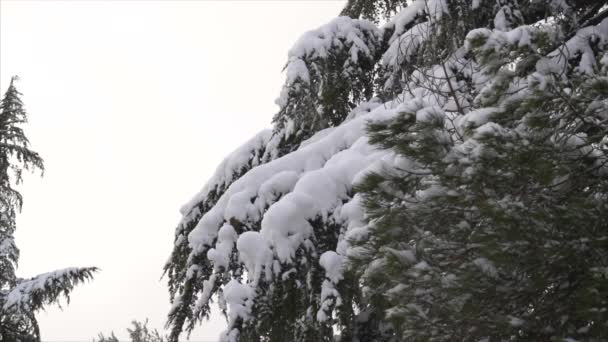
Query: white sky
point(133, 105)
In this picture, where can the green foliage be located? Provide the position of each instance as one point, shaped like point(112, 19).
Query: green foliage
point(493, 225)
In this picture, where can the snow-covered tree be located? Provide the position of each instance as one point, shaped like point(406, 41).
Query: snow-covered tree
point(329, 72)
point(217, 251)
point(492, 224)
point(21, 298)
point(316, 230)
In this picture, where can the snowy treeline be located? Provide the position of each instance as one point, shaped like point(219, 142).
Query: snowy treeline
point(437, 171)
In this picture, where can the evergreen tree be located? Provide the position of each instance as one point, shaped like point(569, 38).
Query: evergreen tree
point(422, 248)
point(21, 298)
point(102, 338)
point(139, 333)
point(493, 224)
point(329, 75)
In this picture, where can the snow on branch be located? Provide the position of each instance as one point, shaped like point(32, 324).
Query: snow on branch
point(30, 295)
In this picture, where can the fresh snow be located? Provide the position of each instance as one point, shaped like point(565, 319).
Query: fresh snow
point(19, 296)
point(225, 172)
point(285, 194)
point(275, 200)
point(341, 33)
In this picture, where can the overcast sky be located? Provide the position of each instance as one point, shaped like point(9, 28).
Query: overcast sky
point(133, 105)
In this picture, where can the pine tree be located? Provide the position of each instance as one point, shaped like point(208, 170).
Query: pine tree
point(139, 333)
point(21, 298)
point(329, 76)
point(102, 338)
point(492, 225)
point(452, 92)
